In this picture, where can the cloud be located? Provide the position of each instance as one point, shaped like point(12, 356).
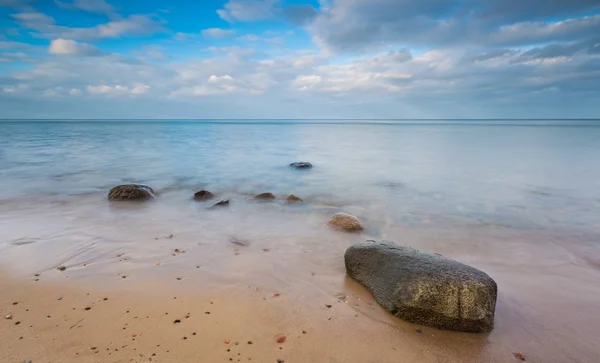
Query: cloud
point(300, 14)
point(4, 44)
point(356, 25)
point(7, 57)
point(90, 6)
point(257, 10)
point(217, 33)
point(15, 3)
point(71, 47)
point(250, 38)
point(45, 26)
point(136, 89)
point(248, 10)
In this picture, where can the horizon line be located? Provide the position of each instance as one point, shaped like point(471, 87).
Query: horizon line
point(300, 119)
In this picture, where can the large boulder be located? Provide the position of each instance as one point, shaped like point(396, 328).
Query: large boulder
point(424, 288)
point(130, 192)
point(345, 222)
point(301, 165)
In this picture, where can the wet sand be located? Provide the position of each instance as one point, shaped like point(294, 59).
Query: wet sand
point(254, 272)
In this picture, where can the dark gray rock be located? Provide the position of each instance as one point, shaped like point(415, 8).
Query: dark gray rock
point(265, 196)
point(221, 203)
point(301, 165)
point(292, 199)
point(424, 288)
point(130, 192)
point(203, 195)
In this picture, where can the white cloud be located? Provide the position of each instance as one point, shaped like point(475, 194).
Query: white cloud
point(250, 38)
point(75, 92)
point(118, 89)
point(139, 89)
point(71, 47)
point(91, 6)
point(248, 10)
point(306, 82)
point(47, 28)
point(217, 33)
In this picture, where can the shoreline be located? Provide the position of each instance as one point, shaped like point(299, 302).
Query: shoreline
point(546, 303)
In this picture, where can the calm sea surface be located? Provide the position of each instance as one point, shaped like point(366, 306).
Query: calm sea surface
point(525, 174)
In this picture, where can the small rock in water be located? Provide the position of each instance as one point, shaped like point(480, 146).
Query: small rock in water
point(203, 195)
point(61, 268)
point(292, 199)
point(265, 196)
point(301, 165)
point(130, 192)
point(345, 222)
point(221, 203)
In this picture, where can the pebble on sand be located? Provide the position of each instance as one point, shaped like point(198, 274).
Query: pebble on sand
point(61, 268)
point(519, 356)
point(281, 339)
point(8, 316)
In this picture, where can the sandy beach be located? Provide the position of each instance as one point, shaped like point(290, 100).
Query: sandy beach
point(135, 291)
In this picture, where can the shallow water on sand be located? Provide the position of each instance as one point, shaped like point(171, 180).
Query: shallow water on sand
point(519, 201)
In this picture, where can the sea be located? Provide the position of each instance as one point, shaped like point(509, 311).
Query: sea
point(517, 199)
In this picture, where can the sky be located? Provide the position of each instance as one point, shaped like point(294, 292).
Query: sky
point(252, 59)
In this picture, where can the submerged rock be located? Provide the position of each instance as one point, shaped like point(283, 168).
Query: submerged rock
point(265, 196)
point(221, 203)
point(291, 199)
point(131, 192)
point(345, 222)
point(424, 288)
point(203, 195)
point(301, 165)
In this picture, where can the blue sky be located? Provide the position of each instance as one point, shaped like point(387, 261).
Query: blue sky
point(300, 59)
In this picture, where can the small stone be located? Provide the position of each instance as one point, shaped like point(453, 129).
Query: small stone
point(221, 203)
point(292, 199)
point(345, 222)
point(281, 339)
point(265, 196)
point(301, 165)
point(519, 356)
point(130, 192)
point(177, 321)
point(280, 361)
point(419, 331)
point(8, 317)
point(328, 306)
point(59, 298)
point(37, 275)
point(203, 195)
point(17, 323)
point(61, 268)
point(250, 342)
point(88, 308)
